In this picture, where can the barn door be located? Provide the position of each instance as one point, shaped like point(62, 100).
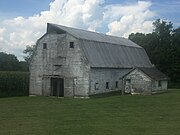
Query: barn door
point(127, 86)
point(57, 87)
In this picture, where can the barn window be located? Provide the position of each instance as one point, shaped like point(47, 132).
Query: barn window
point(44, 46)
point(107, 85)
point(159, 84)
point(96, 86)
point(128, 81)
point(116, 84)
point(71, 45)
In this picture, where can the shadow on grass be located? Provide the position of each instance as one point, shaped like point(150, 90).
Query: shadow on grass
point(118, 93)
point(109, 94)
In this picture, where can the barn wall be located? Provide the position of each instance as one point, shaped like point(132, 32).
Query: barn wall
point(164, 85)
point(139, 82)
point(46, 64)
point(99, 77)
point(156, 86)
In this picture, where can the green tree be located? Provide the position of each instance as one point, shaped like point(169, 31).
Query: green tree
point(163, 47)
point(23, 66)
point(8, 62)
point(175, 54)
point(29, 52)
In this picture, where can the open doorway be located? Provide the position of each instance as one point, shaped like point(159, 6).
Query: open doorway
point(57, 87)
point(127, 88)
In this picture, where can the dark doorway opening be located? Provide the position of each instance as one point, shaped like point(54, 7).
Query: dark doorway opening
point(57, 87)
point(127, 86)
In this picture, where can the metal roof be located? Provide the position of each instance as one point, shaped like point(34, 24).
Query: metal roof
point(106, 51)
point(114, 56)
point(93, 36)
point(154, 73)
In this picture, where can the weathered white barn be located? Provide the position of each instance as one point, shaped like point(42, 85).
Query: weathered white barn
point(70, 62)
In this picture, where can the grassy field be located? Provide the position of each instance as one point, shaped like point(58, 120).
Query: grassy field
point(115, 115)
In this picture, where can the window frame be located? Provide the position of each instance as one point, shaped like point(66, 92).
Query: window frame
point(159, 83)
point(107, 85)
point(116, 84)
point(44, 45)
point(71, 44)
point(96, 86)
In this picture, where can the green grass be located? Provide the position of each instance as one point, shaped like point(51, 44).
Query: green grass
point(115, 115)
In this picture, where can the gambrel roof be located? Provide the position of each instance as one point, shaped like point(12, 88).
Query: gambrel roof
point(92, 36)
point(104, 51)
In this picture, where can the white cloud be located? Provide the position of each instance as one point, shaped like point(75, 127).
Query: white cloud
point(129, 18)
point(18, 32)
point(2, 31)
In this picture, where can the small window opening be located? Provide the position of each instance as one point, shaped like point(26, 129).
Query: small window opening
point(44, 46)
point(116, 84)
point(159, 84)
point(127, 81)
point(96, 86)
point(107, 85)
point(71, 45)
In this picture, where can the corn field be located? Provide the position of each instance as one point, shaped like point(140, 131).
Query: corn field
point(14, 84)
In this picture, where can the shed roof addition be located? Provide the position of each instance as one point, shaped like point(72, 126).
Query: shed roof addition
point(154, 73)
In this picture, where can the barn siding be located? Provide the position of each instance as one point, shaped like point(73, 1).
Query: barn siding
point(101, 76)
point(164, 85)
point(73, 69)
point(156, 86)
point(139, 82)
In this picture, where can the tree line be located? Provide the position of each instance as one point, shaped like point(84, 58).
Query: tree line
point(9, 62)
point(162, 47)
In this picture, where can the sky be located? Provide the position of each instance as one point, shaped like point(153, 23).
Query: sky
point(22, 22)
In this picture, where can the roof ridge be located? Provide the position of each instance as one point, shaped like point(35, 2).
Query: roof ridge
point(89, 31)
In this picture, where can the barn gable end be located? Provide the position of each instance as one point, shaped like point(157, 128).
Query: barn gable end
point(58, 60)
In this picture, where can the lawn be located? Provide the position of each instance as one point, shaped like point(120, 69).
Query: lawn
point(114, 115)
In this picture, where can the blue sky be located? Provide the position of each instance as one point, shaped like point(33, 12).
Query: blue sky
point(167, 9)
point(13, 8)
point(22, 22)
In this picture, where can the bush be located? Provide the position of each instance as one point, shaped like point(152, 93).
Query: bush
point(14, 84)
point(174, 85)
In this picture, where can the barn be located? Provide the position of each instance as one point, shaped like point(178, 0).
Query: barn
point(70, 62)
